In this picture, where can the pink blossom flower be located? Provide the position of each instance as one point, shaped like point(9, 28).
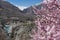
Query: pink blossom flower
point(47, 22)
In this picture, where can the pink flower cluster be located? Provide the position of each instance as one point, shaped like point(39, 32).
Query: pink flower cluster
point(47, 22)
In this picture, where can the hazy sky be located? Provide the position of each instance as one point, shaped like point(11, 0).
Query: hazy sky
point(24, 3)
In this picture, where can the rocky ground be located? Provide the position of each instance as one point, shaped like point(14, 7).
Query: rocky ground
point(20, 31)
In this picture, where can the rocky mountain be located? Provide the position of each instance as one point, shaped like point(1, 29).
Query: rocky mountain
point(21, 28)
point(9, 10)
point(29, 10)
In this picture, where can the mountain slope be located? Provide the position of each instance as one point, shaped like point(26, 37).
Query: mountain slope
point(7, 9)
point(29, 10)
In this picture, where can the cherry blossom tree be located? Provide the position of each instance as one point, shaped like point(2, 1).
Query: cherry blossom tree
point(47, 22)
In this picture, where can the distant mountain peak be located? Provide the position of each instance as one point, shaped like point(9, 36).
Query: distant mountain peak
point(22, 7)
